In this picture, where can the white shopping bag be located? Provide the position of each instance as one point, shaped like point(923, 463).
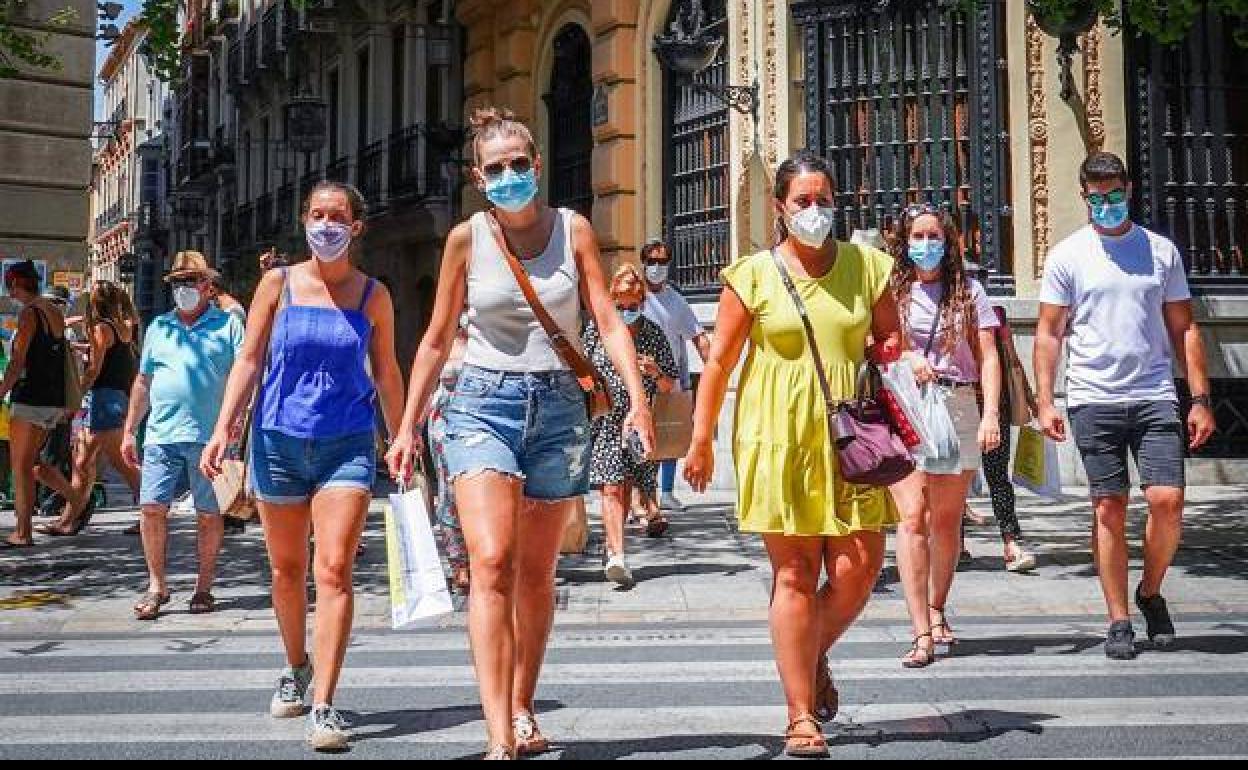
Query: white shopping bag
point(898, 378)
point(418, 591)
point(1036, 465)
point(947, 457)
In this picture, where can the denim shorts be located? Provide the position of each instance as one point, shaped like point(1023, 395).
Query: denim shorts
point(286, 469)
point(106, 409)
point(1151, 430)
point(531, 426)
point(169, 471)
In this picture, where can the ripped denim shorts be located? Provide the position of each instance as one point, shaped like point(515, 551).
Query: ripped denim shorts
point(528, 425)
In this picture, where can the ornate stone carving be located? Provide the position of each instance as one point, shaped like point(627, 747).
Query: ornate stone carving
point(1038, 133)
point(1092, 50)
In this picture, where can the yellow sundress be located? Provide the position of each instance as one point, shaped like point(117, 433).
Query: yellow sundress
point(787, 476)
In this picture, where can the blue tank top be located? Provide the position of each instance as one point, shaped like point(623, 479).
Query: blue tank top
point(315, 384)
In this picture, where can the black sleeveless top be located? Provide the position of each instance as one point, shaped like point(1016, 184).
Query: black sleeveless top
point(43, 380)
point(120, 365)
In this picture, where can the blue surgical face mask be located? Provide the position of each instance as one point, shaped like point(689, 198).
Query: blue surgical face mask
point(511, 191)
point(630, 316)
point(1110, 216)
point(927, 254)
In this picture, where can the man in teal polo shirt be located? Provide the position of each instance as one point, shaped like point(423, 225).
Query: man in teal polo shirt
point(187, 356)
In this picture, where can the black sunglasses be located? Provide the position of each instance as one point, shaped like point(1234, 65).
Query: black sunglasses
point(520, 165)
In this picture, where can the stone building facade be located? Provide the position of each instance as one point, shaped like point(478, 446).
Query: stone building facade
point(45, 150)
point(912, 102)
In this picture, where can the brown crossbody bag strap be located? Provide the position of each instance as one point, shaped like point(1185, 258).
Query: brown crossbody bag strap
point(584, 371)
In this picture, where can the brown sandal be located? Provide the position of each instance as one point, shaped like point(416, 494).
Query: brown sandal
point(919, 656)
point(656, 525)
point(148, 606)
point(827, 697)
point(804, 744)
point(946, 638)
point(499, 752)
point(202, 603)
point(529, 738)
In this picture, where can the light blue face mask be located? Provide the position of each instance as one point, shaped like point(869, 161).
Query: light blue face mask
point(630, 316)
point(927, 254)
point(510, 191)
point(1110, 216)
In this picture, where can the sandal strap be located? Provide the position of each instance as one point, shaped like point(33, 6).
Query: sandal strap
point(808, 719)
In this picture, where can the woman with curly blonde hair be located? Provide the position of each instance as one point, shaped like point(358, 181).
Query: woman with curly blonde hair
point(948, 326)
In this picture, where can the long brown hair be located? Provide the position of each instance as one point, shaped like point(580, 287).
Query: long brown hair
point(109, 302)
point(956, 308)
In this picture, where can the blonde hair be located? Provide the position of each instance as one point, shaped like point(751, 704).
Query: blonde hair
point(496, 123)
point(626, 280)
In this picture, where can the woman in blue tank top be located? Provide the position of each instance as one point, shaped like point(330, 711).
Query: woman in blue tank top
point(312, 445)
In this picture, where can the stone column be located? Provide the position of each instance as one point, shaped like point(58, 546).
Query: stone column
point(620, 49)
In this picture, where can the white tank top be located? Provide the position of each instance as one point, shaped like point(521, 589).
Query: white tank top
point(503, 332)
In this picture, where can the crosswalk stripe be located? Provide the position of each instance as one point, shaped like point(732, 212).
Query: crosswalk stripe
point(965, 718)
point(157, 679)
point(457, 640)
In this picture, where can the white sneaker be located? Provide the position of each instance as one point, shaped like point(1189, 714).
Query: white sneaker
point(617, 571)
point(669, 502)
point(1022, 562)
point(327, 729)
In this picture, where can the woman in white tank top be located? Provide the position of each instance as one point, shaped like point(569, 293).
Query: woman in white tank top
point(517, 433)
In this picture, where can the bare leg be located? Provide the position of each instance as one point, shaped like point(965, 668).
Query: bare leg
point(286, 530)
point(338, 516)
point(913, 560)
point(797, 563)
point(490, 504)
point(155, 532)
point(947, 498)
point(1162, 535)
point(615, 501)
point(1109, 548)
point(211, 533)
point(537, 556)
point(25, 440)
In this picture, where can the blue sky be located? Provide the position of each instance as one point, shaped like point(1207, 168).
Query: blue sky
point(101, 53)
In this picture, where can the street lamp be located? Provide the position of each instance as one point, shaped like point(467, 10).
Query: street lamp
point(690, 48)
point(306, 123)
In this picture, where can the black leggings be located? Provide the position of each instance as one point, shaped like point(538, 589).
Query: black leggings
point(997, 473)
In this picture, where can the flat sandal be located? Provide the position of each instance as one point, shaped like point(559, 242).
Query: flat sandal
point(803, 744)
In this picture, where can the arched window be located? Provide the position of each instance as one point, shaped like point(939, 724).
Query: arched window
point(695, 163)
point(571, 136)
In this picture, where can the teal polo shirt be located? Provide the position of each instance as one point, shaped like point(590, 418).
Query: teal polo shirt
point(188, 367)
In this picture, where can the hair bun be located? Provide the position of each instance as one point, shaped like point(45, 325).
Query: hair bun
point(484, 117)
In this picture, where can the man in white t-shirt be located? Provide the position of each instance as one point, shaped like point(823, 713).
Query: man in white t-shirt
point(667, 308)
point(1122, 293)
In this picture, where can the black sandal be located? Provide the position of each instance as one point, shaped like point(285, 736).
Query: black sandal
point(947, 639)
point(918, 656)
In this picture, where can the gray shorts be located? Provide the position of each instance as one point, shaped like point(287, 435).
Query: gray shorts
point(45, 417)
point(1151, 430)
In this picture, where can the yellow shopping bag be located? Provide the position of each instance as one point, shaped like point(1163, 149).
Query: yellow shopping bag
point(1036, 466)
point(4, 420)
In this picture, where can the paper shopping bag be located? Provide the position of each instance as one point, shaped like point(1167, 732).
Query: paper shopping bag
point(418, 590)
point(1036, 465)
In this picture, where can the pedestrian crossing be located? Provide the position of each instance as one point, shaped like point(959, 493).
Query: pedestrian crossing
point(1038, 689)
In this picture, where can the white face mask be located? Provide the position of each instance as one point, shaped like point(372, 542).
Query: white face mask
point(328, 241)
point(186, 298)
point(657, 274)
point(811, 225)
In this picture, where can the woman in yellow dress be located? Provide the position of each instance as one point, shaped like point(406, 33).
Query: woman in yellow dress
point(789, 488)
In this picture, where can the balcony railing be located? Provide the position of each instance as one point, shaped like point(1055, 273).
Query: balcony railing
point(119, 112)
point(229, 230)
point(284, 214)
point(222, 148)
point(264, 216)
point(372, 162)
point(194, 162)
point(408, 149)
point(339, 170)
point(269, 35)
point(246, 219)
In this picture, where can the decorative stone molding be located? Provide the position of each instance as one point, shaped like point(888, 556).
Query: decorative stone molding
point(1092, 45)
point(776, 25)
point(1038, 133)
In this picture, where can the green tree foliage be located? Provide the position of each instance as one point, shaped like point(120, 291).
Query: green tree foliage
point(22, 46)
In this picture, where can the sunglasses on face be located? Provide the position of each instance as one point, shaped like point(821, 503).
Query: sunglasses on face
point(1100, 199)
point(520, 165)
point(627, 308)
point(184, 284)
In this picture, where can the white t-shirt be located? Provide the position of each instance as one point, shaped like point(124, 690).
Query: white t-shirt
point(1118, 347)
point(672, 313)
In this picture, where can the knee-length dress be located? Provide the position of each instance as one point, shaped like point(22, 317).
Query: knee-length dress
point(609, 463)
point(787, 475)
